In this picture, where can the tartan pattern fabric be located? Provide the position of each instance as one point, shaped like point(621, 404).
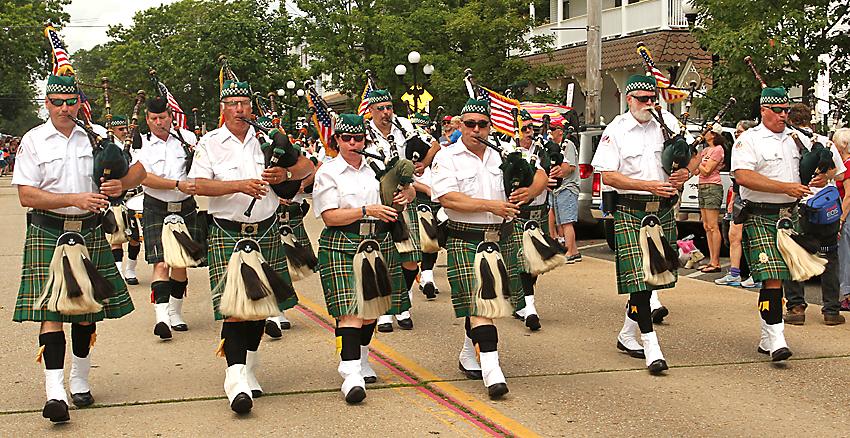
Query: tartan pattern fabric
point(520, 222)
point(461, 264)
point(152, 230)
point(220, 248)
point(295, 220)
point(760, 232)
point(39, 246)
point(412, 219)
point(336, 259)
point(626, 234)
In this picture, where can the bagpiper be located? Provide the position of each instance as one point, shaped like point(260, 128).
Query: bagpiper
point(134, 237)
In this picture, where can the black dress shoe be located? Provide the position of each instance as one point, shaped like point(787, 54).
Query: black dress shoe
point(497, 390)
point(161, 329)
point(370, 379)
point(657, 366)
point(633, 353)
point(386, 327)
point(659, 314)
point(180, 328)
point(430, 291)
point(285, 325)
point(780, 354)
point(242, 403)
point(356, 395)
point(56, 411)
point(256, 393)
point(405, 324)
point(132, 281)
point(470, 374)
point(273, 330)
point(532, 322)
point(82, 399)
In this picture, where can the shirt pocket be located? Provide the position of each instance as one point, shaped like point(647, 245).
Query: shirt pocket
point(226, 171)
point(772, 159)
point(350, 195)
point(467, 182)
point(632, 158)
point(52, 164)
point(497, 184)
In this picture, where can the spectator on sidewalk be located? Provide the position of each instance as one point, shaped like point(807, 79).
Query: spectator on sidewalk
point(841, 139)
point(711, 193)
point(448, 130)
point(565, 197)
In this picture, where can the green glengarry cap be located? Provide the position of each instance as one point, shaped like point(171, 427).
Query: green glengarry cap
point(349, 124)
point(265, 122)
point(378, 96)
point(61, 85)
point(477, 107)
point(233, 88)
point(420, 119)
point(118, 121)
point(640, 83)
point(525, 116)
point(773, 96)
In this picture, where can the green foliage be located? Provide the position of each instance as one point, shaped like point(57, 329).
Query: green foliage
point(784, 39)
point(26, 58)
point(346, 38)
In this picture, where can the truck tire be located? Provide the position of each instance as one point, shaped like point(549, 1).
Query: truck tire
point(609, 234)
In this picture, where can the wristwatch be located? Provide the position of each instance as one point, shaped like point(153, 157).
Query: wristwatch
point(363, 209)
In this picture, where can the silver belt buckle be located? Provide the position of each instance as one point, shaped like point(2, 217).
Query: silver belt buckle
point(249, 229)
point(785, 212)
point(284, 217)
point(653, 206)
point(491, 236)
point(73, 226)
point(536, 215)
point(367, 228)
point(174, 207)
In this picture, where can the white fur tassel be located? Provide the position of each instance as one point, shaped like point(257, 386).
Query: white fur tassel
point(235, 302)
point(499, 306)
point(55, 292)
point(800, 262)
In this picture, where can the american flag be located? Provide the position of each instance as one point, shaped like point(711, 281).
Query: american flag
point(669, 95)
point(500, 110)
point(323, 117)
point(62, 65)
point(364, 105)
point(179, 115)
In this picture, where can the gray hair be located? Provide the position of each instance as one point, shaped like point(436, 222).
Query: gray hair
point(841, 138)
point(745, 124)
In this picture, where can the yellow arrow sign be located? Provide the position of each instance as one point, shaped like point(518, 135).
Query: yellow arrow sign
point(424, 98)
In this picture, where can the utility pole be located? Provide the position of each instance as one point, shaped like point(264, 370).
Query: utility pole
point(594, 63)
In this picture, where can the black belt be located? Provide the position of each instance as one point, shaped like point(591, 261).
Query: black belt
point(477, 236)
point(244, 227)
point(768, 207)
point(647, 206)
point(185, 206)
point(363, 227)
point(69, 223)
point(533, 212)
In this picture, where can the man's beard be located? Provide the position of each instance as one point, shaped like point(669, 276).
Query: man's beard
point(642, 115)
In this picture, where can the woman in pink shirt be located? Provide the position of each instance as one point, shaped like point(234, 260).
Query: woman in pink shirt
point(711, 193)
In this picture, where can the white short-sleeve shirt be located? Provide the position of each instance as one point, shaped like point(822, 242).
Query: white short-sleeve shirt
point(456, 169)
point(771, 154)
point(220, 156)
point(341, 185)
point(165, 159)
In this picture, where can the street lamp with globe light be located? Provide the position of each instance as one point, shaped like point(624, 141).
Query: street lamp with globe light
point(414, 58)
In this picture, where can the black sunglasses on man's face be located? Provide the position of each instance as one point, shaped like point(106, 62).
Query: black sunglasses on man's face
point(645, 99)
point(472, 123)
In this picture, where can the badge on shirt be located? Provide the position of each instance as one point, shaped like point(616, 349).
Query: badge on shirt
point(434, 167)
point(739, 145)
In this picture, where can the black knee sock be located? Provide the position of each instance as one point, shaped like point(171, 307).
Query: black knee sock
point(161, 291)
point(81, 339)
point(54, 350)
point(428, 261)
point(235, 349)
point(350, 341)
point(770, 305)
point(366, 332)
point(409, 276)
point(254, 334)
point(178, 288)
point(467, 326)
point(528, 281)
point(639, 310)
point(486, 337)
point(118, 254)
point(133, 251)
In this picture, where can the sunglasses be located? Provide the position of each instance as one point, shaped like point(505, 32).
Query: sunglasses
point(526, 128)
point(384, 107)
point(472, 123)
point(446, 123)
point(779, 109)
point(235, 103)
point(645, 99)
point(58, 102)
point(347, 137)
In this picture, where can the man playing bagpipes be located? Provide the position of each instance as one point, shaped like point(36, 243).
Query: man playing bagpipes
point(631, 158)
point(248, 270)
point(768, 164)
point(359, 263)
point(133, 236)
point(66, 176)
point(480, 190)
point(170, 214)
point(539, 252)
point(397, 135)
point(431, 229)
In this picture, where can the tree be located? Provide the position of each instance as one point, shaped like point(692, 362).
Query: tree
point(182, 42)
point(344, 38)
point(784, 39)
point(26, 58)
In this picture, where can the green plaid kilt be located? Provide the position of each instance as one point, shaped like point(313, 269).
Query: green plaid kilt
point(543, 220)
point(152, 218)
point(295, 220)
point(220, 248)
point(422, 198)
point(626, 234)
point(760, 232)
point(336, 260)
point(461, 263)
point(413, 225)
point(39, 246)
